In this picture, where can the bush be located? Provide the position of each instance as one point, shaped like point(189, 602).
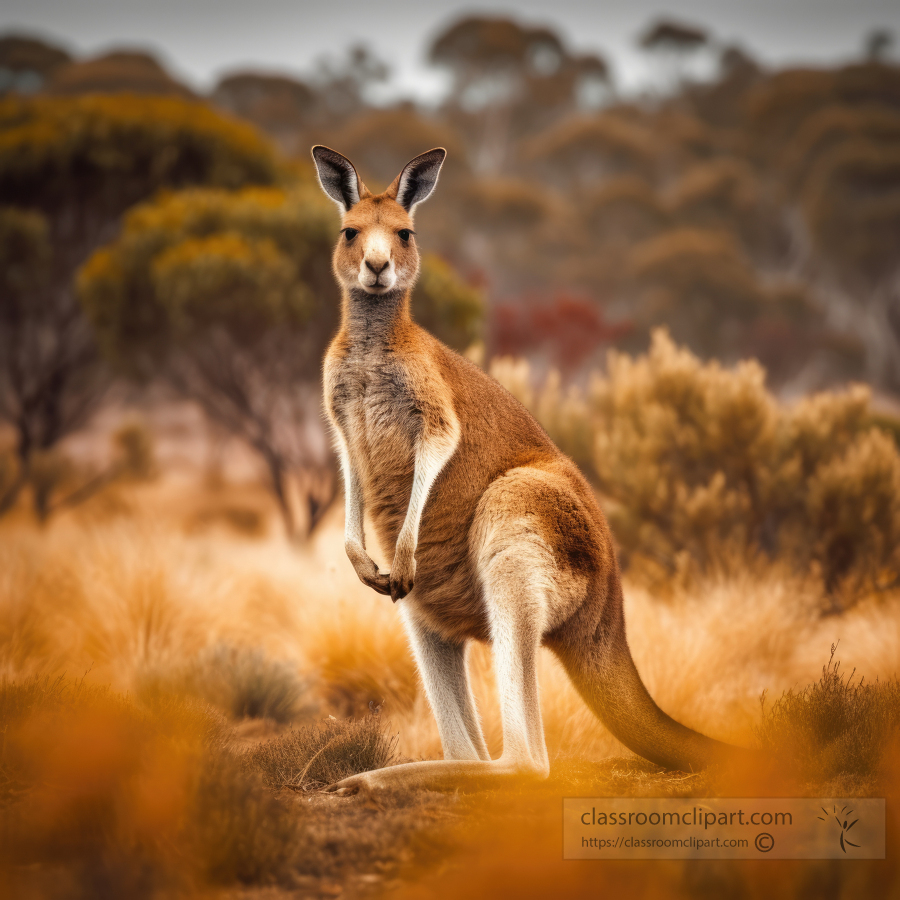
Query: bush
point(243, 261)
point(698, 461)
point(318, 755)
point(242, 682)
point(835, 727)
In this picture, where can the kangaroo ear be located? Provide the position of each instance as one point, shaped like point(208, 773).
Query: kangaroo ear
point(338, 178)
point(418, 179)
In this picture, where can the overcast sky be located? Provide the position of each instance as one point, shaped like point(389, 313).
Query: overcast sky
point(201, 39)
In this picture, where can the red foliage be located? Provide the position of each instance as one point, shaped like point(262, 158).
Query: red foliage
point(567, 328)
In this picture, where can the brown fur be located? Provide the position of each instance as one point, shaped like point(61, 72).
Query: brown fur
point(507, 508)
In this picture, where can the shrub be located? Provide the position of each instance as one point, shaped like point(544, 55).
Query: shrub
point(243, 682)
point(321, 754)
point(833, 727)
point(136, 450)
point(698, 461)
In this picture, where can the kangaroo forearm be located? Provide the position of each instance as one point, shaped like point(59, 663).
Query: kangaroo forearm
point(432, 454)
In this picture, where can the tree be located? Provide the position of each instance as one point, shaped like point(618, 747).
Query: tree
point(26, 63)
point(69, 168)
point(624, 210)
point(779, 106)
point(720, 101)
point(878, 45)
point(120, 72)
point(851, 207)
point(510, 80)
point(283, 107)
point(449, 308)
point(699, 284)
point(726, 193)
point(586, 149)
point(343, 85)
point(228, 295)
point(674, 44)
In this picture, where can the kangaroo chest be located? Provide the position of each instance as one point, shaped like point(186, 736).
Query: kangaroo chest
point(375, 406)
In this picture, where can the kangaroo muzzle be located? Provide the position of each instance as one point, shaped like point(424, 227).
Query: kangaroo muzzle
point(377, 273)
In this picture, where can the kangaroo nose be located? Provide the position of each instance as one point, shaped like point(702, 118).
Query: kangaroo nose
point(375, 268)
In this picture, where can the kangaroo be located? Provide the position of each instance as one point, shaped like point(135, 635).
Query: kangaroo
point(496, 534)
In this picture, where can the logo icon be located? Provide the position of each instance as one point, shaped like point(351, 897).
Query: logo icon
point(764, 842)
point(843, 820)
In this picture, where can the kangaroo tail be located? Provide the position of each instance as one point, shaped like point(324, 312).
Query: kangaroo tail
point(594, 651)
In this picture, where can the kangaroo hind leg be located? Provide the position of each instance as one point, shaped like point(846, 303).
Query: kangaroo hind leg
point(442, 665)
point(514, 573)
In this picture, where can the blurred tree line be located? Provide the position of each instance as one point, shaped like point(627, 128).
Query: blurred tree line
point(154, 239)
point(751, 212)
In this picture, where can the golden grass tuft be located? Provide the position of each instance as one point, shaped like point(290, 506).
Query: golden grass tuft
point(361, 656)
point(836, 726)
point(316, 755)
point(242, 682)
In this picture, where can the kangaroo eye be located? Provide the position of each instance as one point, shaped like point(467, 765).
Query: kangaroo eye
point(404, 234)
point(350, 233)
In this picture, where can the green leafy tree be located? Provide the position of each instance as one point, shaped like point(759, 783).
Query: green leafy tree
point(69, 168)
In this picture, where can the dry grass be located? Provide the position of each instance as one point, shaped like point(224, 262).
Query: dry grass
point(152, 794)
point(314, 756)
point(834, 727)
point(105, 796)
point(362, 657)
point(243, 682)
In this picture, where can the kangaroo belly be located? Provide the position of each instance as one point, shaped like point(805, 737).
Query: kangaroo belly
point(448, 593)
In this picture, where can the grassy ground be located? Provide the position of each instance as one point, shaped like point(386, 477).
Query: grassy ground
point(177, 683)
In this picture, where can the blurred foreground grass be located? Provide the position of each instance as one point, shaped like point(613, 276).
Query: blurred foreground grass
point(221, 668)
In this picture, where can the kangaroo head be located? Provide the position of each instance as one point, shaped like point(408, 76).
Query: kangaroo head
point(376, 251)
